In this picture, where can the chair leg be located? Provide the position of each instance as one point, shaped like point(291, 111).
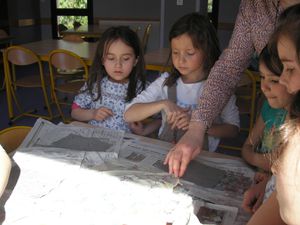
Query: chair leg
point(58, 106)
point(50, 117)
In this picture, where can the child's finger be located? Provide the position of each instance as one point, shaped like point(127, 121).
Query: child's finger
point(257, 203)
point(107, 111)
point(182, 124)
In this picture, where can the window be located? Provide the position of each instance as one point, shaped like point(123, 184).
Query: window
point(70, 13)
point(213, 11)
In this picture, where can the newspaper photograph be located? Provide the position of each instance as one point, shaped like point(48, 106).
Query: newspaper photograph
point(45, 134)
point(215, 214)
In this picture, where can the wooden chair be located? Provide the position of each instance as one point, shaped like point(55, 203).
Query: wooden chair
point(64, 83)
point(146, 36)
point(3, 34)
point(246, 94)
point(17, 56)
point(12, 137)
point(246, 97)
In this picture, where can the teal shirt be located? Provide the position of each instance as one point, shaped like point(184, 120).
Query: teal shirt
point(273, 119)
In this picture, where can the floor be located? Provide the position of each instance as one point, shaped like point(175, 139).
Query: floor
point(34, 100)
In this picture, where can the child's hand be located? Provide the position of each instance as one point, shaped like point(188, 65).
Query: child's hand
point(260, 176)
point(183, 120)
point(253, 197)
point(172, 111)
point(102, 113)
point(137, 128)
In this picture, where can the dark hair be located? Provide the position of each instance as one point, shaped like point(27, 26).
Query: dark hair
point(204, 37)
point(269, 57)
point(97, 70)
point(289, 26)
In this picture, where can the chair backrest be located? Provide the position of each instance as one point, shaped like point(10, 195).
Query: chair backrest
point(146, 36)
point(20, 56)
point(247, 90)
point(66, 60)
point(12, 137)
point(17, 55)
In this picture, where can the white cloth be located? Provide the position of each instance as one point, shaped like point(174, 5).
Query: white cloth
point(187, 97)
point(270, 187)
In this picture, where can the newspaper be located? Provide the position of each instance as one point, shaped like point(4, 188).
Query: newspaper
point(209, 213)
point(50, 137)
point(207, 181)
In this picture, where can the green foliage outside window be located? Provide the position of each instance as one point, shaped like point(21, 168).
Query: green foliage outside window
point(209, 6)
point(70, 4)
point(68, 21)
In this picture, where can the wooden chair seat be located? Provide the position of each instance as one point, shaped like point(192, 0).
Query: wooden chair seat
point(12, 137)
point(71, 87)
point(32, 81)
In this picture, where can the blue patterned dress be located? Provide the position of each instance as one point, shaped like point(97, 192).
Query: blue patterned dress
point(113, 97)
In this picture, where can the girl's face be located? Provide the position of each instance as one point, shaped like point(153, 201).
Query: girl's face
point(119, 60)
point(287, 172)
point(276, 93)
point(187, 59)
point(291, 65)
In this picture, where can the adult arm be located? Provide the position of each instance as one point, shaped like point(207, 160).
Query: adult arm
point(5, 166)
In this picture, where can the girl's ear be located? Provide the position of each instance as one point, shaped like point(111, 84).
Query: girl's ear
point(136, 61)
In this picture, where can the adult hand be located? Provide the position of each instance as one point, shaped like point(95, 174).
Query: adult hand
point(188, 147)
point(102, 113)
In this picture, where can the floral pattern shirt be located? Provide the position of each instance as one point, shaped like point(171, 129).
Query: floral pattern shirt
point(112, 97)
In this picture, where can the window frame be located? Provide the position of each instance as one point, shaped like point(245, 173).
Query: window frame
point(214, 15)
point(55, 12)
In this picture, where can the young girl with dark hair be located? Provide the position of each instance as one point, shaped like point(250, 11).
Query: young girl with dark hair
point(194, 50)
point(116, 76)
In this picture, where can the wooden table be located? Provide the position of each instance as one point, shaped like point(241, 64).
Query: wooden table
point(89, 31)
point(158, 60)
point(85, 50)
